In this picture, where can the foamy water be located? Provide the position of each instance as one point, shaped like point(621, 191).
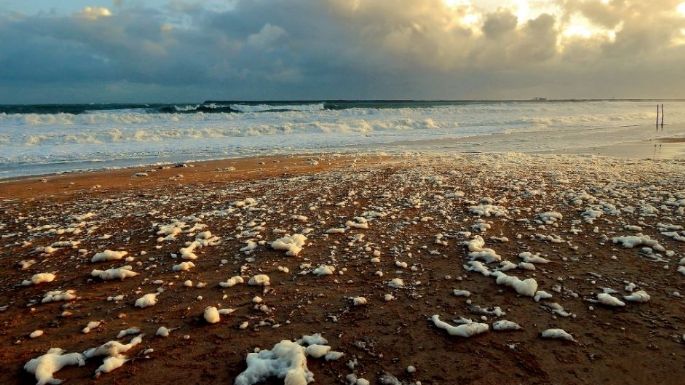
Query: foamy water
point(34, 143)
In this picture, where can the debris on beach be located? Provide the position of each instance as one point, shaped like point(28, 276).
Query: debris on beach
point(494, 253)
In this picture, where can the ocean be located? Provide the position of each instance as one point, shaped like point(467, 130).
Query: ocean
point(41, 139)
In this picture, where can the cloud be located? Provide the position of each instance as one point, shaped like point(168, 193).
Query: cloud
point(264, 49)
point(94, 13)
point(267, 37)
point(499, 24)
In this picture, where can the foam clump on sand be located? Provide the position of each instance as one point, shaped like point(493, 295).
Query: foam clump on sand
point(559, 334)
point(631, 241)
point(317, 351)
point(503, 325)
point(287, 360)
point(466, 330)
point(232, 281)
point(112, 348)
point(39, 278)
point(25, 264)
point(609, 300)
point(639, 296)
point(396, 283)
point(259, 280)
point(250, 245)
point(45, 366)
point(527, 287)
point(590, 215)
point(183, 266)
point(171, 230)
point(114, 354)
point(488, 210)
point(118, 273)
point(109, 255)
point(36, 334)
point(247, 202)
point(211, 315)
point(541, 294)
point(111, 363)
point(315, 338)
point(189, 251)
point(128, 332)
point(324, 270)
point(301, 218)
point(202, 239)
point(147, 300)
point(83, 217)
point(59, 295)
point(163, 331)
point(292, 244)
point(358, 223)
point(478, 267)
point(90, 326)
point(477, 250)
point(529, 257)
point(550, 217)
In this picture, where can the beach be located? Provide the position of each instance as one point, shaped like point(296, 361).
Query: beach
point(436, 267)
point(332, 192)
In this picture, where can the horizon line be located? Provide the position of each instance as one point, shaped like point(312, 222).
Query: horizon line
point(536, 99)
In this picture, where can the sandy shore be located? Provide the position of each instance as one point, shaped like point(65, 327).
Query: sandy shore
point(151, 177)
point(378, 246)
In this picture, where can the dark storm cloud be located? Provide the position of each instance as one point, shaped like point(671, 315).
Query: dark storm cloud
point(263, 49)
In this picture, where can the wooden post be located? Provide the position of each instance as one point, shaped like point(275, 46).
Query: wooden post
point(662, 116)
point(657, 116)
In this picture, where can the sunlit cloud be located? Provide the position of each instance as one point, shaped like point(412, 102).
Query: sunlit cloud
point(94, 13)
point(681, 8)
point(354, 48)
point(679, 39)
point(579, 27)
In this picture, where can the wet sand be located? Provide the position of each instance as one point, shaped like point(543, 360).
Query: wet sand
point(633, 142)
point(420, 210)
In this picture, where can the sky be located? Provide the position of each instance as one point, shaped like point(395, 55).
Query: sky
point(81, 51)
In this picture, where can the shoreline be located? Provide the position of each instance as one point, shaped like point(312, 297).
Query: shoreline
point(655, 148)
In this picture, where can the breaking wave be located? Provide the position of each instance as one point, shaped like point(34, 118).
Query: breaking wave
point(31, 135)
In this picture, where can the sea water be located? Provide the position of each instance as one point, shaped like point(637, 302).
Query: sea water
point(39, 139)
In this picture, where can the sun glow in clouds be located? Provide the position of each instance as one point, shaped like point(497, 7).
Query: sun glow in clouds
point(473, 12)
point(468, 16)
point(456, 3)
point(579, 27)
point(522, 9)
point(679, 39)
point(94, 13)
